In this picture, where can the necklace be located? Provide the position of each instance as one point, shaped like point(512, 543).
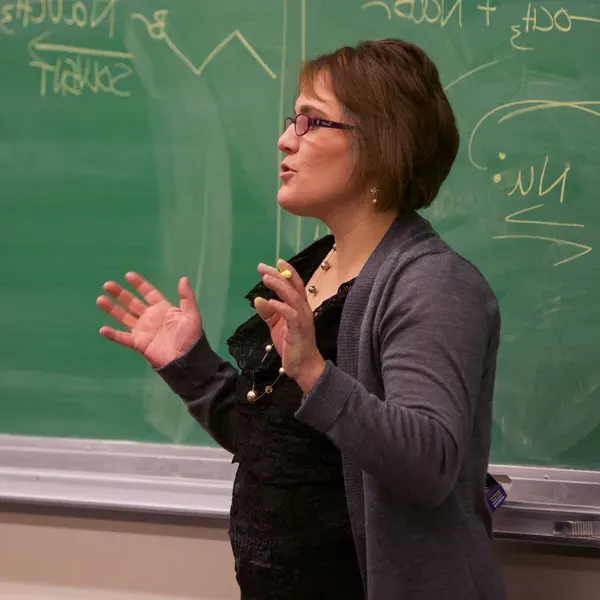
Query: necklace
point(253, 395)
point(324, 266)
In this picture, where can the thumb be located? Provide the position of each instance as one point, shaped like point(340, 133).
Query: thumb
point(187, 299)
point(266, 312)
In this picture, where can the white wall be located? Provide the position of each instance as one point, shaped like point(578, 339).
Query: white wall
point(58, 558)
point(544, 573)
point(64, 558)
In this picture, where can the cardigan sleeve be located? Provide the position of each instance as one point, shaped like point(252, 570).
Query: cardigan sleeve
point(206, 383)
point(434, 336)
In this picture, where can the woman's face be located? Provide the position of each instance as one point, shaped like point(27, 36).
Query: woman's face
point(318, 165)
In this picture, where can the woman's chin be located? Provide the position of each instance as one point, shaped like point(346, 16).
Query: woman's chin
point(291, 203)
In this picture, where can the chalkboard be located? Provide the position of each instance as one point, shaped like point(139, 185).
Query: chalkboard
point(142, 135)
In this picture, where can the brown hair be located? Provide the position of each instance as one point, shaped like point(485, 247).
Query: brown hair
point(406, 136)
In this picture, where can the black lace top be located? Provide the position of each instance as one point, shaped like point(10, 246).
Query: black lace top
point(289, 525)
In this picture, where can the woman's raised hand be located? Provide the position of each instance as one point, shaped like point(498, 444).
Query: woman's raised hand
point(157, 329)
point(291, 322)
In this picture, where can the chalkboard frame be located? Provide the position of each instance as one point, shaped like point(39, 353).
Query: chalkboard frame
point(143, 480)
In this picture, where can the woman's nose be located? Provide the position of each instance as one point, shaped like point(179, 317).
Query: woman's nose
point(288, 141)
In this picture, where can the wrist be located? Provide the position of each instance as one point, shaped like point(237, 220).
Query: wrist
point(310, 374)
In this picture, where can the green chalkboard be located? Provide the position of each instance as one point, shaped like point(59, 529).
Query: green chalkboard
point(141, 134)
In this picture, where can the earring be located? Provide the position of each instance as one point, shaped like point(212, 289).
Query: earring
point(374, 194)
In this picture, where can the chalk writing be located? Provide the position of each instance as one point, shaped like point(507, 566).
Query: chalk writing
point(156, 29)
point(584, 248)
point(487, 9)
point(421, 11)
point(537, 18)
point(24, 13)
point(74, 70)
point(512, 218)
point(526, 179)
point(526, 106)
point(542, 191)
point(469, 73)
point(541, 19)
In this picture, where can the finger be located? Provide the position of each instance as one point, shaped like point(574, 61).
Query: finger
point(125, 298)
point(116, 312)
point(284, 290)
point(145, 288)
point(274, 280)
point(285, 311)
point(266, 312)
point(295, 279)
point(121, 337)
point(187, 299)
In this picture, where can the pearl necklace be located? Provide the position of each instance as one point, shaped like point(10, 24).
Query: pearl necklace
point(253, 395)
point(324, 266)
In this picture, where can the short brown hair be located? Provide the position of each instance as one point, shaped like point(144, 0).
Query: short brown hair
point(406, 135)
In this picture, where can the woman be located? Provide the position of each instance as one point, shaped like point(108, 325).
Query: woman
point(361, 412)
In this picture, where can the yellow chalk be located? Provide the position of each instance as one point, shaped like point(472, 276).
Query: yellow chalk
point(286, 273)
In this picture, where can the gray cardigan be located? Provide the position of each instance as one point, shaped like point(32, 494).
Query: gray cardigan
point(409, 405)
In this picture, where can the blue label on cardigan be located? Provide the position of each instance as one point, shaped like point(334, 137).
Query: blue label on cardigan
point(494, 493)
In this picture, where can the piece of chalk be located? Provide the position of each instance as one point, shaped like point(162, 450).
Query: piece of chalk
point(286, 273)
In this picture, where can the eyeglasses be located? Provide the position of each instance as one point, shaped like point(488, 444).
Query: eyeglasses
point(302, 123)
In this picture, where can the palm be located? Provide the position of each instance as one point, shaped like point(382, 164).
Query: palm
point(163, 331)
point(158, 330)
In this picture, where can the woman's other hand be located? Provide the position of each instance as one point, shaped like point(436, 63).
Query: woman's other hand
point(291, 322)
point(157, 329)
